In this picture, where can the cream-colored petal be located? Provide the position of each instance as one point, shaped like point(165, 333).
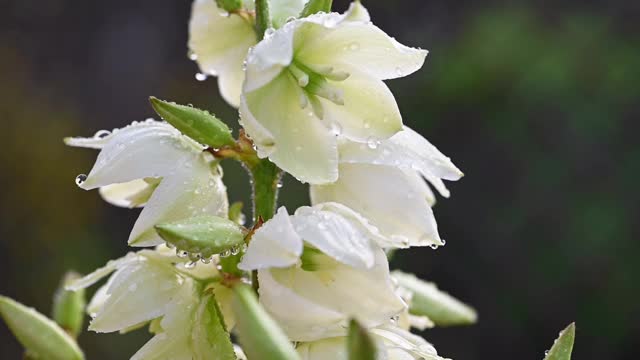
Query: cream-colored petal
point(101, 272)
point(219, 43)
point(408, 150)
point(369, 113)
point(335, 235)
point(291, 136)
point(139, 292)
point(275, 244)
point(193, 189)
point(367, 295)
point(149, 149)
point(332, 348)
point(131, 194)
point(361, 46)
point(394, 200)
point(299, 317)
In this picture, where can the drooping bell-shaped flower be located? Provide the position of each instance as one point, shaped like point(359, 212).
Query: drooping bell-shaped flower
point(384, 182)
point(315, 78)
point(219, 40)
point(155, 287)
point(320, 267)
point(150, 163)
point(392, 343)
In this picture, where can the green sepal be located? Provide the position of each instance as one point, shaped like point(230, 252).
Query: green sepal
point(229, 5)
point(360, 345)
point(316, 6)
point(68, 306)
point(440, 307)
point(197, 124)
point(563, 346)
point(41, 336)
point(259, 335)
point(211, 337)
point(206, 235)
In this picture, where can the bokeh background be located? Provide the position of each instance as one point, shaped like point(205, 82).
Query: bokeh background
point(536, 101)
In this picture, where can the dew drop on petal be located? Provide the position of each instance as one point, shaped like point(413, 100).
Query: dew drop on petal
point(433, 246)
point(192, 56)
point(336, 128)
point(201, 76)
point(181, 253)
point(102, 134)
point(190, 264)
point(373, 143)
point(81, 179)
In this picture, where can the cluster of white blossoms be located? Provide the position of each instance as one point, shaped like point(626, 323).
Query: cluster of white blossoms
point(312, 103)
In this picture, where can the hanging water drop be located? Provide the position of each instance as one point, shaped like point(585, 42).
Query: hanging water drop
point(192, 56)
point(201, 76)
point(235, 250)
point(336, 128)
point(102, 134)
point(81, 179)
point(181, 253)
point(434, 246)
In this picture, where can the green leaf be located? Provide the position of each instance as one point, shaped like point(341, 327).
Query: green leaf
point(197, 124)
point(263, 17)
point(68, 306)
point(316, 6)
point(259, 335)
point(40, 336)
point(210, 334)
point(360, 346)
point(440, 307)
point(229, 5)
point(563, 346)
point(207, 235)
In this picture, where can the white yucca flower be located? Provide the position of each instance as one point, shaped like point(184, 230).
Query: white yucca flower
point(320, 267)
point(384, 182)
point(219, 41)
point(151, 163)
point(155, 288)
point(392, 343)
point(317, 77)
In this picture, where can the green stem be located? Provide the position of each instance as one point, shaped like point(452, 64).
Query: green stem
point(316, 6)
point(263, 18)
point(266, 178)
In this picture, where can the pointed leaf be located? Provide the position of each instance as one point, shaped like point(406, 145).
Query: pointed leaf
point(195, 123)
point(427, 300)
point(210, 335)
point(207, 235)
point(68, 306)
point(360, 345)
point(259, 335)
point(563, 346)
point(41, 336)
point(316, 6)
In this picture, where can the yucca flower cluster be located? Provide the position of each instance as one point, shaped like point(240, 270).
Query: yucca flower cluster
point(308, 283)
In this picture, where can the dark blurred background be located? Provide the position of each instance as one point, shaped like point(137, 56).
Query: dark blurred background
point(536, 101)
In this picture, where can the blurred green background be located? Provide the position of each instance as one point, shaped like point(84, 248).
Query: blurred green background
point(536, 101)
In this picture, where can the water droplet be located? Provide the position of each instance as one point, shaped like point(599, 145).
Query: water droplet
point(433, 246)
point(225, 253)
point(235, 250)
point(373, 143)
point(354, 46)
point(190, 264)
point(181, 253)
point(399, 71)
point(279, 185)
point(444, 242)
point(170, 245)
point(102, 134)
point(192, 56)
point(336, 128)
point(289, 19)
point(195, 256)
point(201, 76)
point(206, 260)
point(269, 32)
point(81, 179)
